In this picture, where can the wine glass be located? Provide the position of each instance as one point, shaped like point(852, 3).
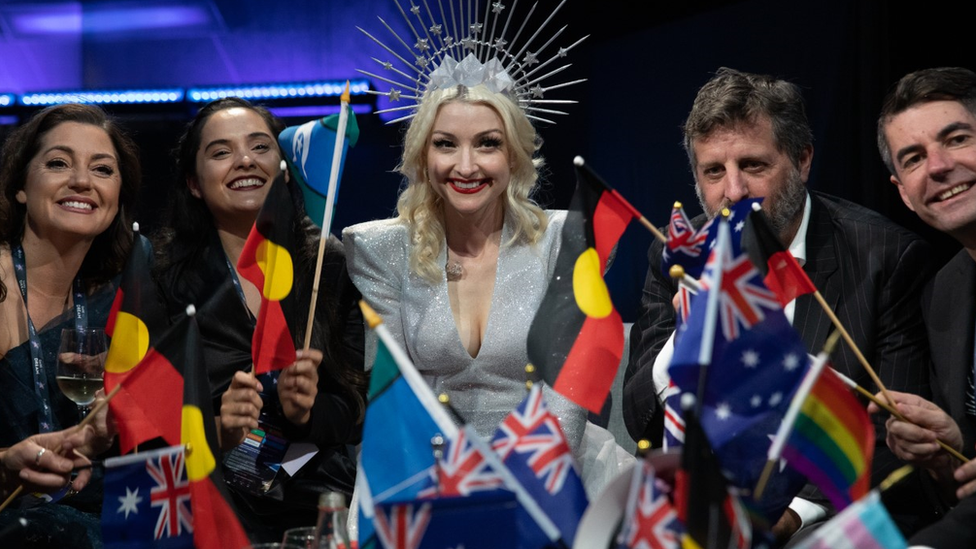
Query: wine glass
point(81, 361)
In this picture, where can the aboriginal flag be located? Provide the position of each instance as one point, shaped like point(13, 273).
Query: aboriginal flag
point(781, 272)
point(215, 523)
point(173, 390)
point(268, 262)
point(576, 339)
point(136, 321)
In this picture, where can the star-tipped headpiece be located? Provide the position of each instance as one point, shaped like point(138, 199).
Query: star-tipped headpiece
point(463, 50)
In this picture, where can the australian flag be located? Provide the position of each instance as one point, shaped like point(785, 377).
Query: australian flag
point(463, 468)
point(752, 360)
point(532, 445)
point(147, 501)
point(483, 520)
point(650, 521)
point(690, 248)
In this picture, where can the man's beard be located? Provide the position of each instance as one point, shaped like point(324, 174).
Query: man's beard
point(781, 208)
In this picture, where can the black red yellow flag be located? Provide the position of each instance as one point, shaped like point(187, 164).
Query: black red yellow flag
point(576, 339)
point(268, 262)
point(781, 272)
point(137, 319)
point(215, 523)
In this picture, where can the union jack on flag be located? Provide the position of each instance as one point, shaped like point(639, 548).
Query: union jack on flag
point(462, 470)
point(682, 237)
point(533, 431)
point(532, 445)
point(650, 520)
point(171, 495)
point(743, 297)
point(147, 501)
point(404, 527)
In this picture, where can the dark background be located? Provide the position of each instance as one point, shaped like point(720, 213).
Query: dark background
point(643, 62)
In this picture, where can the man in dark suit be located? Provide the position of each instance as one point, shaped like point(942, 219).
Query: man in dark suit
point(747, 136)
point(927, 138)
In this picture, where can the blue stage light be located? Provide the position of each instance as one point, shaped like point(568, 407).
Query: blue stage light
point(258, 92)
point(7, 99)
point(103, 97)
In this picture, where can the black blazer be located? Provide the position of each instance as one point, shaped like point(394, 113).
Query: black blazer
point(949, 309)
point(868, 269)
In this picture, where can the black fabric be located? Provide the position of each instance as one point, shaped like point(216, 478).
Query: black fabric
point(75, 521)
point(871, 273)
point(227, 329)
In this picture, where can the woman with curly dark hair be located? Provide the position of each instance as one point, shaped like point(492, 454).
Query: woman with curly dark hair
point(68, 184)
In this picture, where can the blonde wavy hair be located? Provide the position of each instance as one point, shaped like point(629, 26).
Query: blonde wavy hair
point(422, 209)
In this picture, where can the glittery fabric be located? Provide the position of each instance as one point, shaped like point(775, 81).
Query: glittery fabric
point(483, 389)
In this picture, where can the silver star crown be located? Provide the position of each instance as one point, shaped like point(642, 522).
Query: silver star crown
point(456, 50)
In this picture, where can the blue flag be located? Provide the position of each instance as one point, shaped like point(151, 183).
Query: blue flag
point(752, 361)
point(690, 248)
point(147, 501)
point(309, 150)
point(532, 445)
point(482, 520)
point(403, 416)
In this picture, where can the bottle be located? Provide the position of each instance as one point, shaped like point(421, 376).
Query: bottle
point(330, 529)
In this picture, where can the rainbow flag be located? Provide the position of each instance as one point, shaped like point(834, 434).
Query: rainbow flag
point(832, 441)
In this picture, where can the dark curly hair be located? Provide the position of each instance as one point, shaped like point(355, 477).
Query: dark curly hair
point(108, 252)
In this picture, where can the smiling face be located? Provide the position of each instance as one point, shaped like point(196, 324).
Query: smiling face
point(468, 159)
point(73, 183)
point(236, 163)
point(933, 147)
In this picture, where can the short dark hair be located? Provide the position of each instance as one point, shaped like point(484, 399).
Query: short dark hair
point(732, 97)
point(924, 86)
point(109, 250)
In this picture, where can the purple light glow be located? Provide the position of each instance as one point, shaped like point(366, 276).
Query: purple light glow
point(135, 19)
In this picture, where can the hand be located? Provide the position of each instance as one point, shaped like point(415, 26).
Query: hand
point(240, 406)
point(298, 386)
point(36, 460)
point(786, 526)
point(915, 441)
point(104, 427)
point(965, 474)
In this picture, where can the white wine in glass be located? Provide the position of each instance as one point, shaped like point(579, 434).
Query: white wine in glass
point(81, 362)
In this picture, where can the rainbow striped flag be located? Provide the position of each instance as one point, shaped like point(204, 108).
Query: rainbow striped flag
point(832, 441)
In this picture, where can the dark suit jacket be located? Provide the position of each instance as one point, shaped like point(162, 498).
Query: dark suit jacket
point(868, 269)
point(949, 310)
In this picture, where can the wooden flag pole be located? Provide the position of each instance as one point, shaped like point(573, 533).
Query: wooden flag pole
point(329, 206)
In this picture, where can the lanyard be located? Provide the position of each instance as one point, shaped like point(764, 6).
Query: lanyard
point(45, 421)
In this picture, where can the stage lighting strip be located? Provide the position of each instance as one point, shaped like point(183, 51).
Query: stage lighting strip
point(106, 97)
point(331, 88)
point(278, 91)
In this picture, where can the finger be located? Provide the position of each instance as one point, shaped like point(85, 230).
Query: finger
point(312, 356)
point(42, 479)
point(80, 481)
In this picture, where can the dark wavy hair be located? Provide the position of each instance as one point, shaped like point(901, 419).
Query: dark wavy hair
point(938, 84)
point(733, 97)
point(183, 244)
point(108, 252)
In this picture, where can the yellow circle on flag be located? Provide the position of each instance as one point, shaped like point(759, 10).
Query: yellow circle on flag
point(589, 287)
point(130, 342)
point(276, 264)
point(199, 460)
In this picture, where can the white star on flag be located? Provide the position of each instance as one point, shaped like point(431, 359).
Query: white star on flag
point(130, 502)
point(750, 358)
